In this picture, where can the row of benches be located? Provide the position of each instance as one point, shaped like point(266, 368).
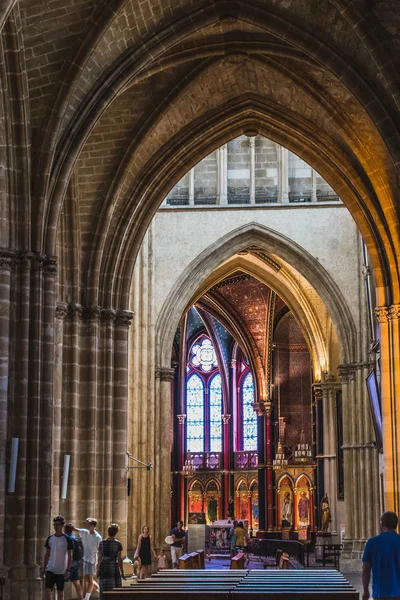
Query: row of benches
point(233, 585)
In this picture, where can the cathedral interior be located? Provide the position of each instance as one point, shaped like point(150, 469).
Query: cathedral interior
point(199, 269)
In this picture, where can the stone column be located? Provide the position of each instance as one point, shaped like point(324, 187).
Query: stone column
point(222, 175)
point(361, 496)
point(45, 457)
point(313, 186)
point(15, 523)
point(105, 410)
point(191, 187)
point(72, 413)
point(252, 170)
point(162, 457)
point(329, 455)
point(120, 422)
point(389, 325)
point(89, 418)
point(61, 313)
point(6, 263)
point(283, 175)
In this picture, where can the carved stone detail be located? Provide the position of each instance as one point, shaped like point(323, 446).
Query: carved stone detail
point(91, 313)
point(123, 318)
point(74, 309)
point(225, 419)
point(49, 265)
point(382, 314)
point(238, 58)
point(394, 312)
point(347, 373)
point(181, 419)
point(6, 261)
point(61, 310)
point(107, 314)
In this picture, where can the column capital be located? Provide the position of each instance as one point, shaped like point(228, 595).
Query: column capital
point(91, 313)
point(382, 314)
point(123, 318)
point(394, 312)
point(61, 310)
point(347, 373)
point(108, 314)
point(165, 373)
point(7, 260)
point(74, 309)
point(181, 419)
point(225, 419)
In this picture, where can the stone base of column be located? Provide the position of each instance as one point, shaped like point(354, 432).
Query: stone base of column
point(22, 582)
point(350, 559)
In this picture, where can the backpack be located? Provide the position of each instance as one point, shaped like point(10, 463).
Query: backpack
point(77, 552)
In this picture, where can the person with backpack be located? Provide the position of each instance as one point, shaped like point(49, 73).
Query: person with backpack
point(77, 555)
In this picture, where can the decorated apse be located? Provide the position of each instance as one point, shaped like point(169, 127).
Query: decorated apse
point(244, 437)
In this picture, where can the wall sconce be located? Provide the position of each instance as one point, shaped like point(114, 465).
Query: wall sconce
point(67, 458)
point(13, 465)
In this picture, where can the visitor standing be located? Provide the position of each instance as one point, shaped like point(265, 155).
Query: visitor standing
point(91, 540)
point(231, 536)
point(110, 568)
point(161, 561)
point(382, 557)
point(57, 560)
point(144, 550)
point(77, 555)
point(179, 538)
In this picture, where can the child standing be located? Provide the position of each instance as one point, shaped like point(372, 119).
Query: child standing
point(161, 561)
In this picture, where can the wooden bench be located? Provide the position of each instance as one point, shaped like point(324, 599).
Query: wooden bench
point(237, 562)
point(185, 562)
point(201, 558)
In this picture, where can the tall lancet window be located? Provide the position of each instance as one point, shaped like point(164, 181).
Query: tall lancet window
point(249, 417)
point(203, 399)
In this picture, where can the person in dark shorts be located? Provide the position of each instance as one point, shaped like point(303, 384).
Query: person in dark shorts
point(179, 542)
point(57, 560)
point(77, 554)
point(382, 557)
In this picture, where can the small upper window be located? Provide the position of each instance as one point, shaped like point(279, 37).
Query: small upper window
point(203, 356)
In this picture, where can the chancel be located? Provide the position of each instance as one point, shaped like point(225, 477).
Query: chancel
point(199, 276)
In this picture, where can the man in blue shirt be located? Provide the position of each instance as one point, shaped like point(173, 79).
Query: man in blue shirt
point(382, 556)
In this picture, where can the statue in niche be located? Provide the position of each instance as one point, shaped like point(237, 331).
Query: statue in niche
point(231, 508)
point(212, 509)
point(286, 510)
point(243, 508)
point(326, 517)
point(304, 509)
point(256, 511)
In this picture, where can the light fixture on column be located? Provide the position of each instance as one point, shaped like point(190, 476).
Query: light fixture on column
point(280, 461)
point(303, 452)
point(13, 465)
point(141, 465)
point(64, 486)
point(189, 468)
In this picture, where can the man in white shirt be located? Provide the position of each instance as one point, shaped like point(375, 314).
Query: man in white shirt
point(57, 560)
point(91, 540)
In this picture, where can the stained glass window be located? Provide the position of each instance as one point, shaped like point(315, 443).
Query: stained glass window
point(203, 355)
point(215, 396)
point(248, 415)
point(195, 414)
